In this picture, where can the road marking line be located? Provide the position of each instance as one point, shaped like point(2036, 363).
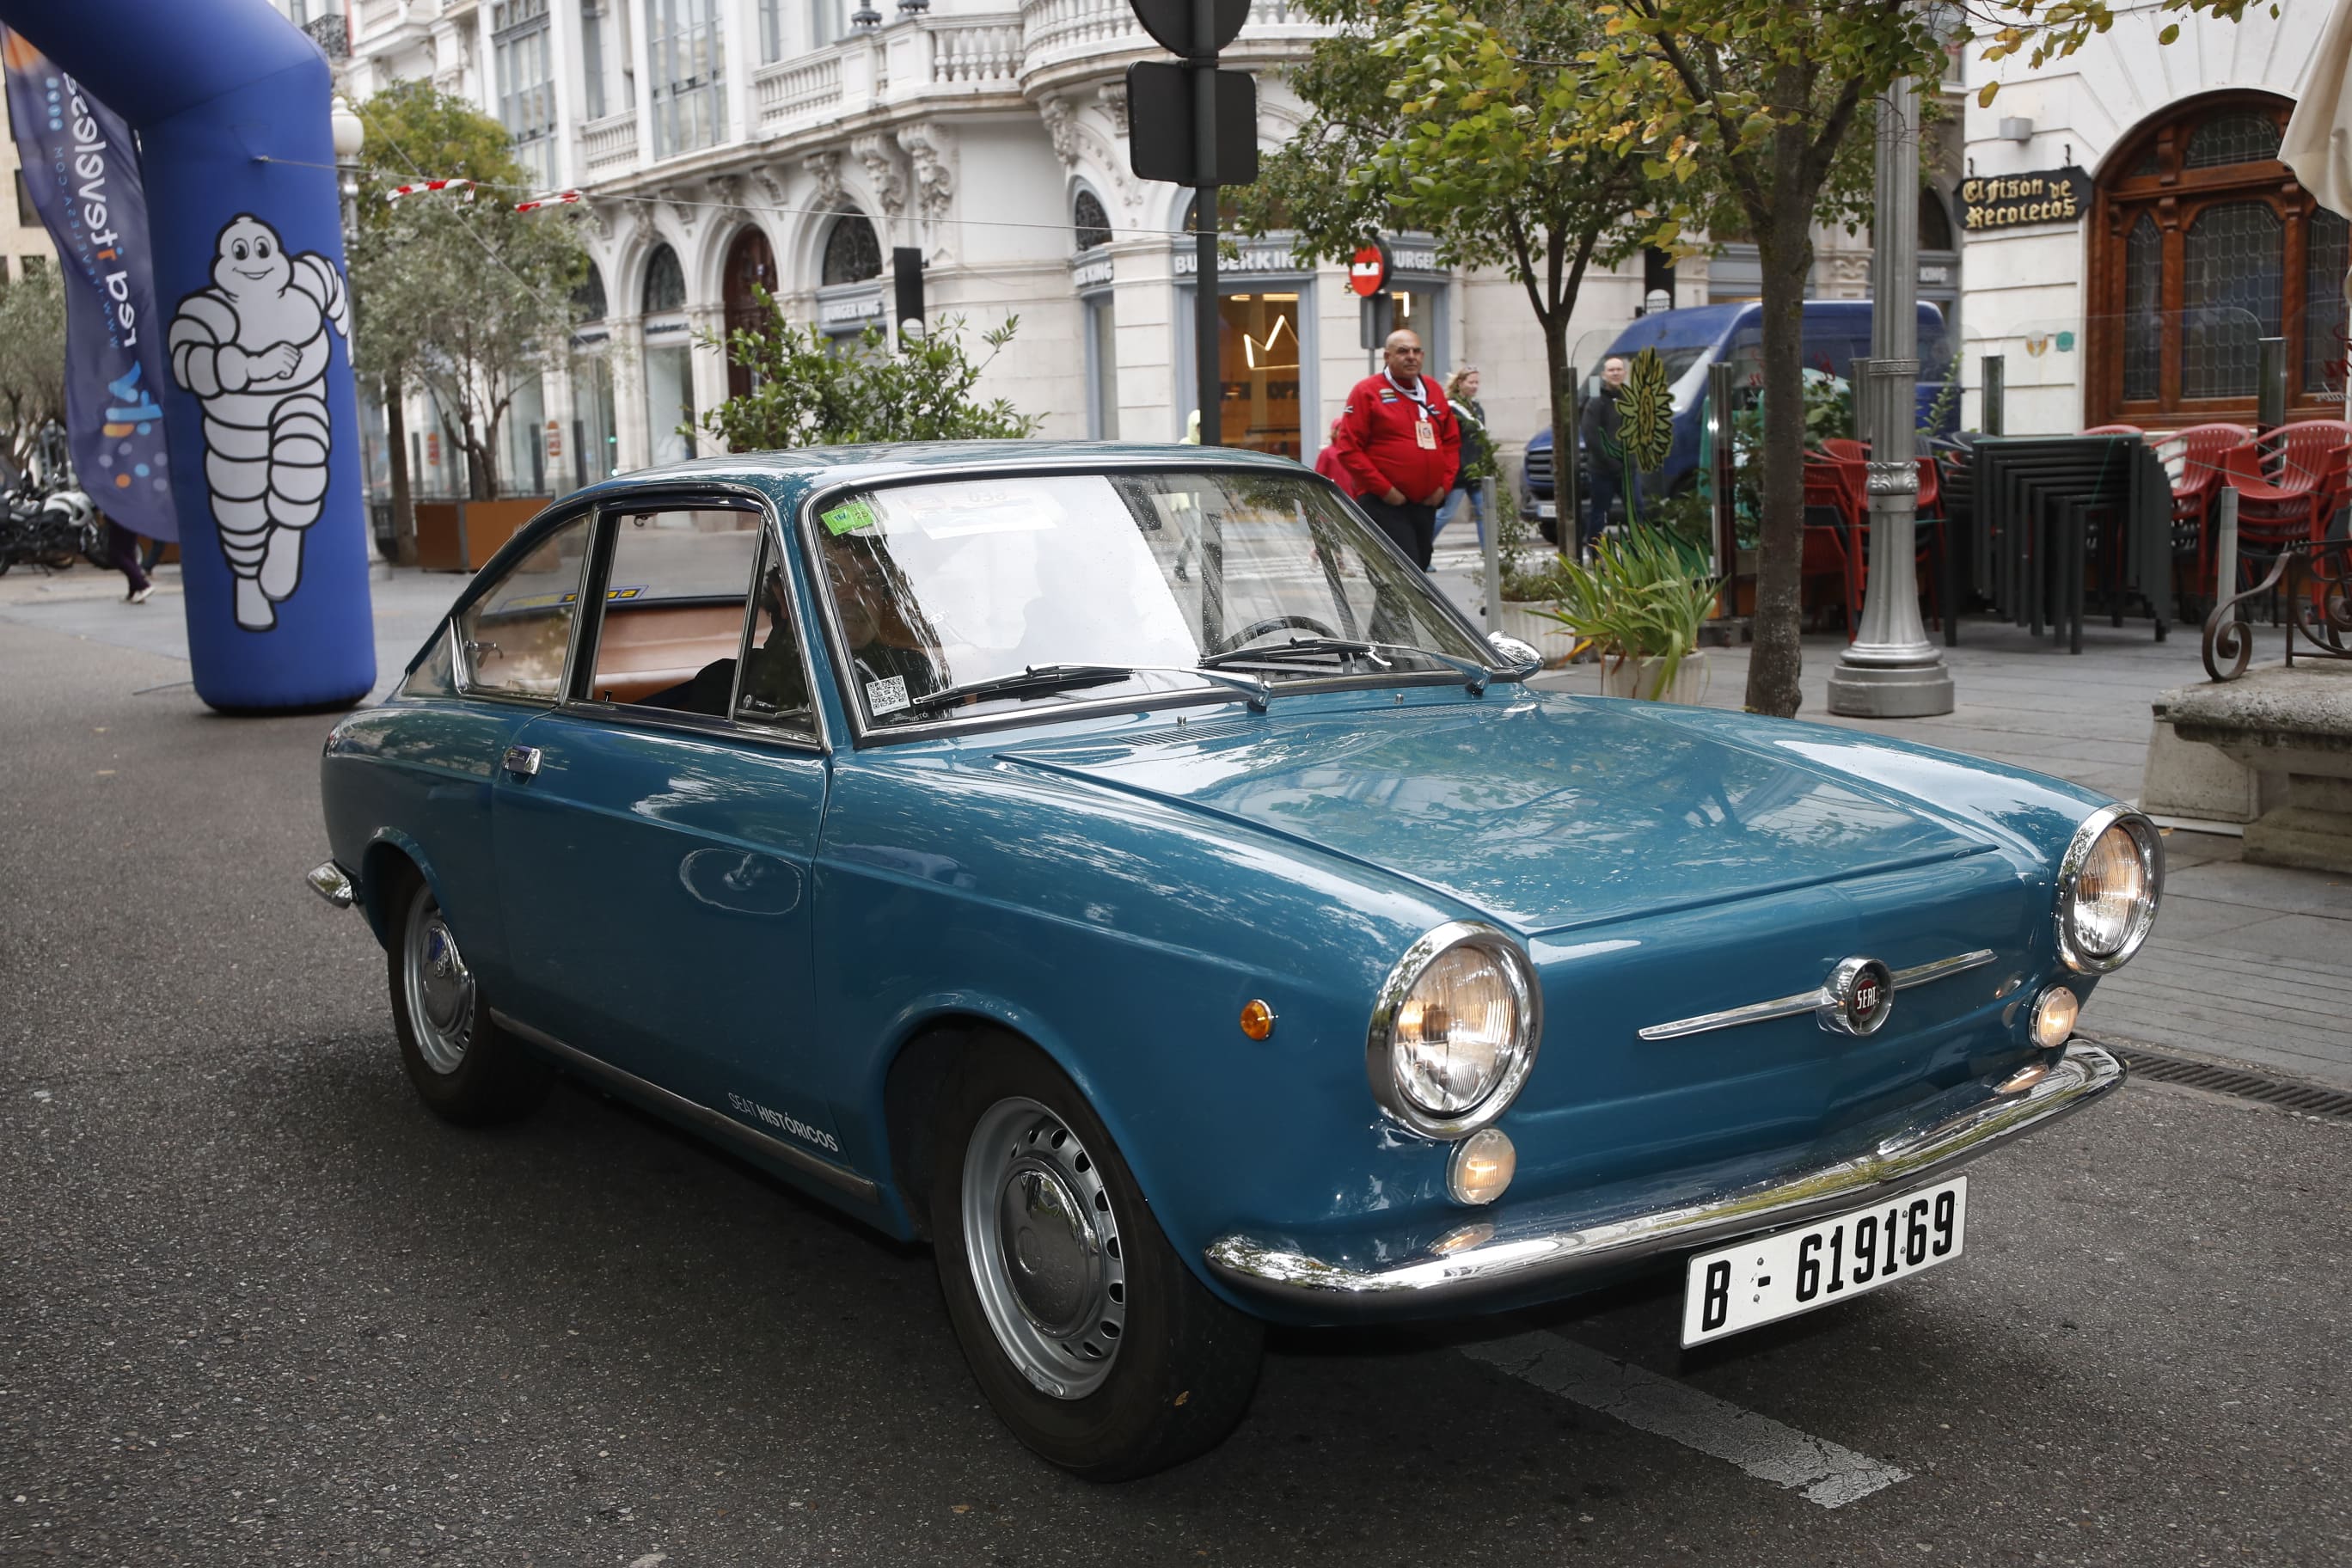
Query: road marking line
point(1827, 1474)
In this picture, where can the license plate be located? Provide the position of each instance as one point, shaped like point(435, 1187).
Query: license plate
point(1831, 1260)
point(1547, 509)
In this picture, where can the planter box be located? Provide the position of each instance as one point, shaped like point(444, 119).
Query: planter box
point(462, 536)
point(1640, 677)
point(1546, 636)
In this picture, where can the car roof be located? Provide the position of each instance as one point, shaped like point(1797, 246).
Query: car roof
point(1696, 325)
point(885, 461)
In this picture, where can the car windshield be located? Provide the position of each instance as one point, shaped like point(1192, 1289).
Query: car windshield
point(1105, 585)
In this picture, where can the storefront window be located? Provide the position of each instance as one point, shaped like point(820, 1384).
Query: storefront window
point(595, 431)
point(669, 400)
point(2202, 243)
point(1259, 360)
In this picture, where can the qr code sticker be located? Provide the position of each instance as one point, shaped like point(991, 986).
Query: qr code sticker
point(887, 696)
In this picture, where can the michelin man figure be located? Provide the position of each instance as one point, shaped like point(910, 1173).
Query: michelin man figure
point(253, 349)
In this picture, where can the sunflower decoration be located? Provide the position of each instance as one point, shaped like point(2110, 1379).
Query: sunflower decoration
point(1645, 407)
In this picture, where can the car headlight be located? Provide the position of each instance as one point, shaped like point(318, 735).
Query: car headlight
point(1453, 1030)
point(2108, 886)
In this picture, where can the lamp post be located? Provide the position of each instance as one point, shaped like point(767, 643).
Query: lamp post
point(1891, 670)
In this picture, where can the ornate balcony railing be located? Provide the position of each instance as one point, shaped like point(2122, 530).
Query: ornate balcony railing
point(2313, 585)
point(798, 91)
point(1064, 32)
point(609, 143)
point(975, 52)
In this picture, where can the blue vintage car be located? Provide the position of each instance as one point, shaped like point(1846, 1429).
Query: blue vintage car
point(1119, 866)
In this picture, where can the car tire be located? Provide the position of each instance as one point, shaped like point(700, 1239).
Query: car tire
point(1152, 1369)
point(465, 1068)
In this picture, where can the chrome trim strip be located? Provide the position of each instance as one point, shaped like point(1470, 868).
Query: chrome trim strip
point(330, 882)
point(725, 1128)
point(1809, 1001)
point(1534, 1258)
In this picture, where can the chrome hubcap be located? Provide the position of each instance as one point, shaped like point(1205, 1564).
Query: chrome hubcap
point(440, 987)
point(1044, 1246)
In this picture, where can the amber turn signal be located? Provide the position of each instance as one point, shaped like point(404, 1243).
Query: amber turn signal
point(2053, 1017)
point(1257, 1019)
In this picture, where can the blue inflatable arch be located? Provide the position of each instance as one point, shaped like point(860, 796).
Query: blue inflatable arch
point(230, 103)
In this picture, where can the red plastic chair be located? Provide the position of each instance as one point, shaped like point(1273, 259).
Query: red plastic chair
point(2194, 458)
point(1839, 548)
point(2289, 482)
point(2115, 430)
point(1846, 449)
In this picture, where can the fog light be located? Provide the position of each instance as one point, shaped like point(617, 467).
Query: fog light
point(2054, 1012)
point(1483, 1166)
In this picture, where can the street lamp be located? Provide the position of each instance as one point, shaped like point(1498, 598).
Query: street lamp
point(1891, 670)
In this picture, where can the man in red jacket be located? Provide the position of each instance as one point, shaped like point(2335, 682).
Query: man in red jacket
point(1399, 447)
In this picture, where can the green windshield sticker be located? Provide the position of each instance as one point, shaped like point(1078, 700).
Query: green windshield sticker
point(849, 517)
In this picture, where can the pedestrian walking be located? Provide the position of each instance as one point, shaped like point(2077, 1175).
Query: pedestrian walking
point(1327, 461)
point(122, 554)
point(1604, 454)
point(1477, 453)
point(1401, 446)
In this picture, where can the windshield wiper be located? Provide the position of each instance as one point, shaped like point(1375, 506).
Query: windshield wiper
point(1045, 678)
point(1478, 674)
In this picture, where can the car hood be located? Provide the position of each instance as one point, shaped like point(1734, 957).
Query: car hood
point(1543, 813)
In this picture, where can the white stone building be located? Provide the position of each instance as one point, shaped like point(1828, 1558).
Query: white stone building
point(721, 143)
point(2137, 294)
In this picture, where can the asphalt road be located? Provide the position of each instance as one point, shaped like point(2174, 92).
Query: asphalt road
point(257, 1306)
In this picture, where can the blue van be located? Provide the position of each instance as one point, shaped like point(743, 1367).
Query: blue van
point(1836, 333)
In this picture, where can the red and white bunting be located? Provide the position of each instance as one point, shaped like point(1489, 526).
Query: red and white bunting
point(427, 188)
point(557, 200)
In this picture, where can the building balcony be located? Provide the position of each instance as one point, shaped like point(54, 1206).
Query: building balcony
point(609, 146)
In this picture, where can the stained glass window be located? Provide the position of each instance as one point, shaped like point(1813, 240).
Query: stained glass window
point(2327, 251)
point(664, 282)
point(852, 253)
point(2143, 296)
point(2234, 285)
point(2232, 139)
point(1093, 222)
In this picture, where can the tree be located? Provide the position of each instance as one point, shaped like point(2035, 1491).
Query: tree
point(1761, 102)
point(466, 297)
point(807, 391)
point(470, 302)
point(1448, 121)
point(31, 361)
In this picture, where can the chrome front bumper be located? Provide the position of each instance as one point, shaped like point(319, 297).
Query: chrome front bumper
point(333, 883)
point(1529, 1256)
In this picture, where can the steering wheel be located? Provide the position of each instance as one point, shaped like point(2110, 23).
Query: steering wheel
point(1257, 630)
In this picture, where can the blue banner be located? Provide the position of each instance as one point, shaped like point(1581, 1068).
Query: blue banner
point(81, 169)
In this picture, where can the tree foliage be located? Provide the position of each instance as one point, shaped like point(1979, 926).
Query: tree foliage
point(807, 391)
point(470, 299)
point(1446, 121)
point(31, 361)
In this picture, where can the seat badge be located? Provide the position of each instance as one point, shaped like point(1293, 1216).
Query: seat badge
point(1857, 997)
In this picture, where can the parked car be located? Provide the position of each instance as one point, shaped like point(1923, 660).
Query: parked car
point(1836, 333)
point(1119, 866)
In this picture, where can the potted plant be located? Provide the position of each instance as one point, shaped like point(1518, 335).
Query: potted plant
point(1640, 604)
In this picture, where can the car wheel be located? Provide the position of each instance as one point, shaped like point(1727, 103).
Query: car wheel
point(1089, 1336)
point(465, 1069)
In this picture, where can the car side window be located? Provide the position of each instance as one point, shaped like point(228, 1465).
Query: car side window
point(514, 637)
point(679, 600)
point(774, 690)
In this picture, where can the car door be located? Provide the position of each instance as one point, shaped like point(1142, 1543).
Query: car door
point(655, 846)
point(500, 663)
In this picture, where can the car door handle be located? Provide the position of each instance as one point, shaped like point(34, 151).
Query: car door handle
point(522, 762)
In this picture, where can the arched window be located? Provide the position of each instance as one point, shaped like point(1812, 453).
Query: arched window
point(751, 264)
point(852, 253)
point(664, 282)
point(2202, 244)
point(588, 299)
point(1092, 224)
